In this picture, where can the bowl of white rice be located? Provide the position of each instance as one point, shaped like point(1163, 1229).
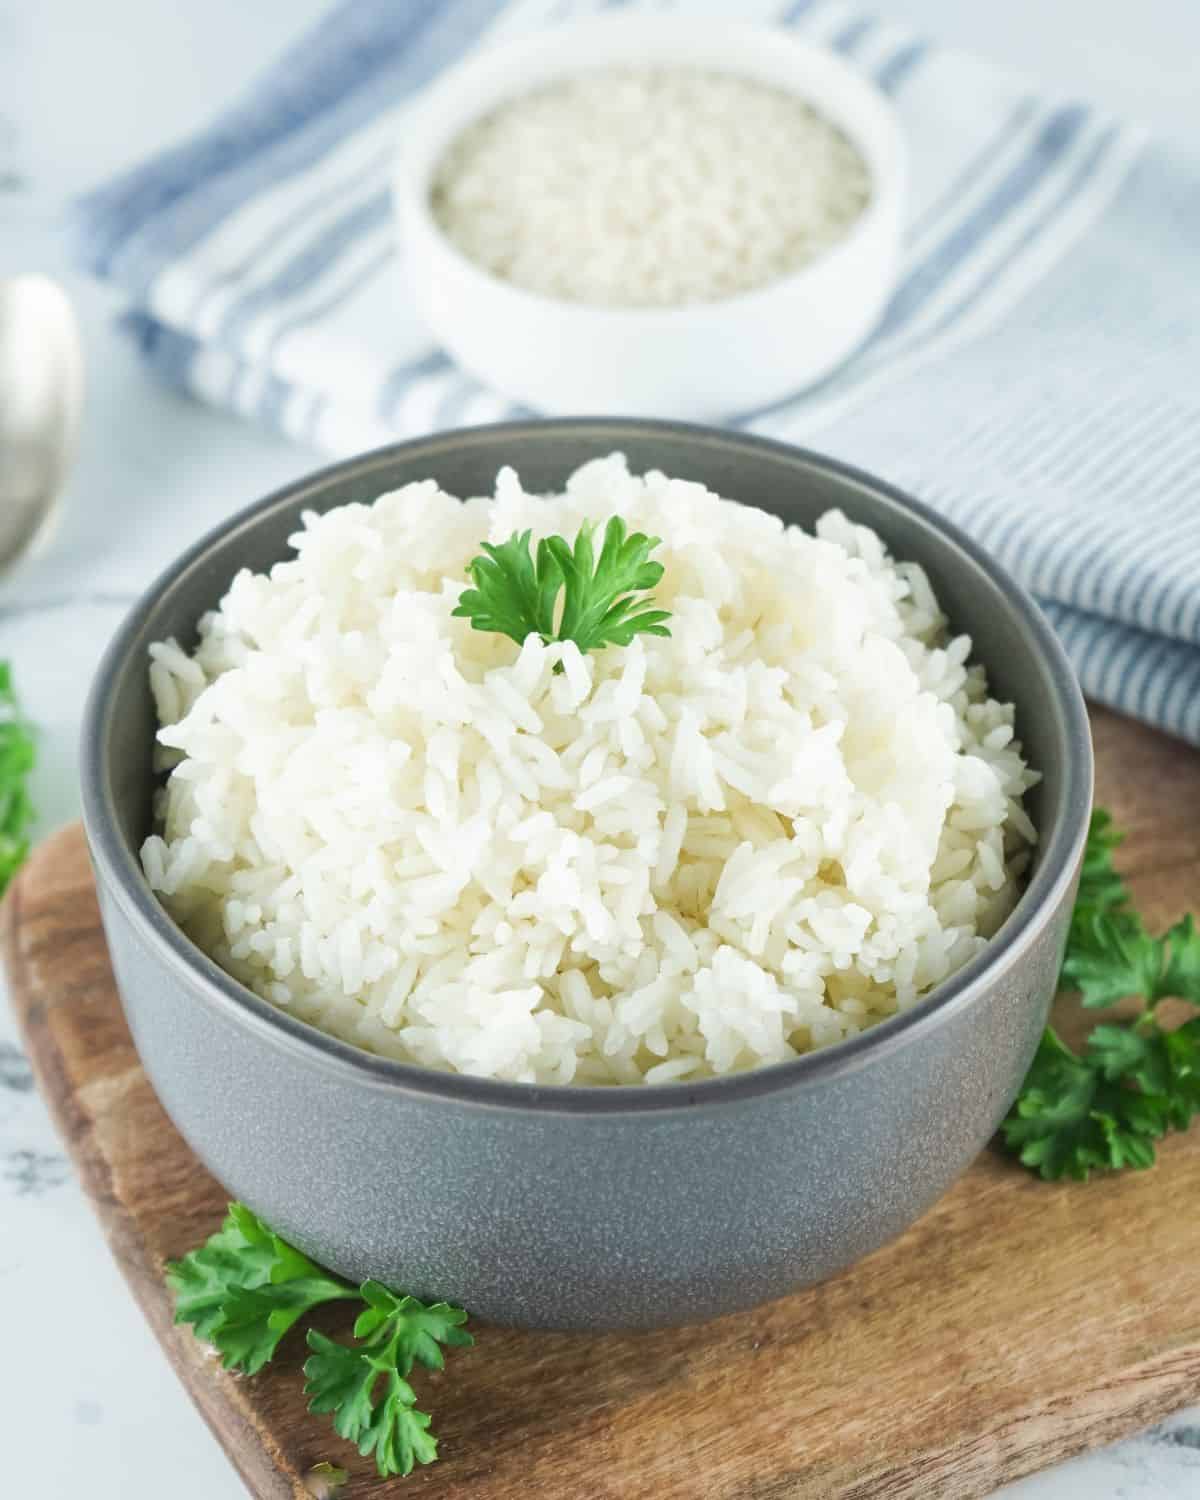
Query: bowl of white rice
point(647, 215)
point(612, 986)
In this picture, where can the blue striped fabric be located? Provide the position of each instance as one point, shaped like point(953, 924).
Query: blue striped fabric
point(1032, 376)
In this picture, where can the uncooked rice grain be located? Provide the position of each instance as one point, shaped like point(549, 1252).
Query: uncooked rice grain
point(681, 858)
point(645, 187)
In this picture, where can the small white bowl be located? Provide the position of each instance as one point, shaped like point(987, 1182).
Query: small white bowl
point(703, 361)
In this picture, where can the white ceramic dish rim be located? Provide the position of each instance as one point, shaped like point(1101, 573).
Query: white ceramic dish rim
point(436, 119)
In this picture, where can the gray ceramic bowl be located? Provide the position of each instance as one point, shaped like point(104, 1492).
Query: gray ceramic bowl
point(578, 1207)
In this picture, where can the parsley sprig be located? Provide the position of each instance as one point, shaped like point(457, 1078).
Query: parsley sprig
point(396, 1332)
point(517, 591)
point(245, 1287)
point(1104, 1107)
point(16, 762)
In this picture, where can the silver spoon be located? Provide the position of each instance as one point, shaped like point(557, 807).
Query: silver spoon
point(41, 396)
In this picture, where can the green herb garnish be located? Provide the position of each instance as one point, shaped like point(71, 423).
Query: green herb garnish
point(324, 1480)
point(244, 1288)
point(516, 593)
point(1104, 1107)
point(16, 762)
point(396, 1332)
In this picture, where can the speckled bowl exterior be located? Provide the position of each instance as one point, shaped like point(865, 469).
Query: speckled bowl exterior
point(578, 1207)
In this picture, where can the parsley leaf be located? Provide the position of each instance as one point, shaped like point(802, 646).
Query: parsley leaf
point(1101, 888)
point(255, 1321)
point(1111, 957)
point(16, 762)
point(1069, 1120)
point(598, 597)
point(396, 1332)
point(1104, 1107)
point(244, 1288)
point(1181, 972)
point(516, 592)
point(419, 1329)
point(513, 594)
point(230, 1260)
point(342, 1380)
point(1181, 1049)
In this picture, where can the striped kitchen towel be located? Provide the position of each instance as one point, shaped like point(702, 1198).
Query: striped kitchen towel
point(1034, 376)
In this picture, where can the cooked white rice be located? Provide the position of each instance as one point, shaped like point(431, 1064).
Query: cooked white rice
point(649, 187)
point(680, 858)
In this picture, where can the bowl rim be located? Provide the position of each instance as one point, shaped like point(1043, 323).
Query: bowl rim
point(412, 182)
point(120, 875)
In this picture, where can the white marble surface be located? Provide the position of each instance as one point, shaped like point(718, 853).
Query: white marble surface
point(88, 1402)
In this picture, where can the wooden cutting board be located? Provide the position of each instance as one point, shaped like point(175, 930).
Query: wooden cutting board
point(1015, 1324)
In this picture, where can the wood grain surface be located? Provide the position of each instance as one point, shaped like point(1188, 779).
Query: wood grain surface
point(1015, 1324)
